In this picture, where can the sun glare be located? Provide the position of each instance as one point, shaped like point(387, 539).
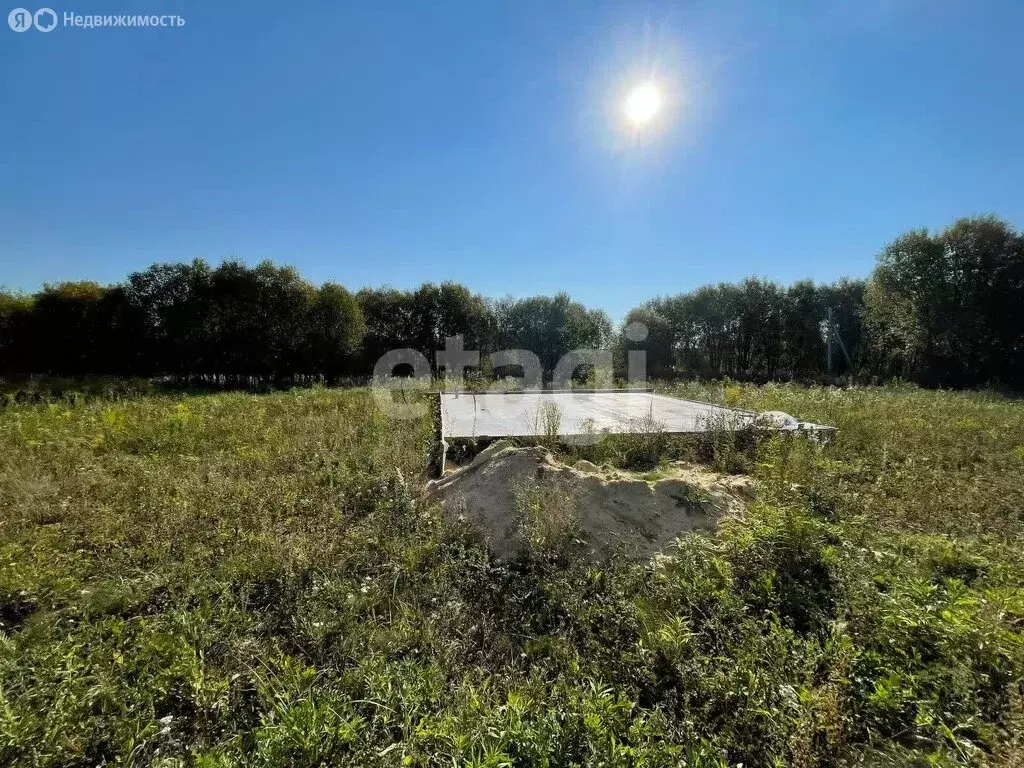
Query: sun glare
point(643, 104)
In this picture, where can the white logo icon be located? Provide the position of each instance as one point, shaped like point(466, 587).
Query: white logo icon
point(45, 19)
point(20, 19)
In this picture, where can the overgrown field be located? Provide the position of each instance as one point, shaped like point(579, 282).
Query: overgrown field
point(251, 580)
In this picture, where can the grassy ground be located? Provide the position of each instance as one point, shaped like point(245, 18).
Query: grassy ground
point(236, 579)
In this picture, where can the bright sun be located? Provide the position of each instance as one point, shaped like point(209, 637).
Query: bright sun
point(643, 104)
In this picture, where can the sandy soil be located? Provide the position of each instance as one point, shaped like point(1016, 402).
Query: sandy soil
point(608, 510)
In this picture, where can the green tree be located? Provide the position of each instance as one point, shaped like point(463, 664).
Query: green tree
point(335, 332)
point(549, 326)
point(946, 309)
point(68, 329)
point(659, 344)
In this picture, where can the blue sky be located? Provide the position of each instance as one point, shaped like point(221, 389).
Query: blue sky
point(394, 143)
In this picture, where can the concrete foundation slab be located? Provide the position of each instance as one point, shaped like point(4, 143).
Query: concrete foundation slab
point(530, 414)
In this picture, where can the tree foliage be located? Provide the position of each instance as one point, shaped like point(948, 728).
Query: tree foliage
point(753, 330)
point(940, 309)
point(947, 309)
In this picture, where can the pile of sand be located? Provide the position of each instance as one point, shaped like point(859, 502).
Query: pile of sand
point(610, 510)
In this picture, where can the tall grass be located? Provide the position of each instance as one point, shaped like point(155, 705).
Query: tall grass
point(254, 580)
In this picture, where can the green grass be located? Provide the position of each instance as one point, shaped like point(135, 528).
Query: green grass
point(253, 580)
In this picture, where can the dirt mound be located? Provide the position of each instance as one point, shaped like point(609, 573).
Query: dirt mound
point(522, 496)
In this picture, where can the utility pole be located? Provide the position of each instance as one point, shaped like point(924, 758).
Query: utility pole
point(832, 337)
point(829, 333)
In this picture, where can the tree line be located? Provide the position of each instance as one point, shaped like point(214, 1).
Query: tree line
point(940, 309)
point(238, 325)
